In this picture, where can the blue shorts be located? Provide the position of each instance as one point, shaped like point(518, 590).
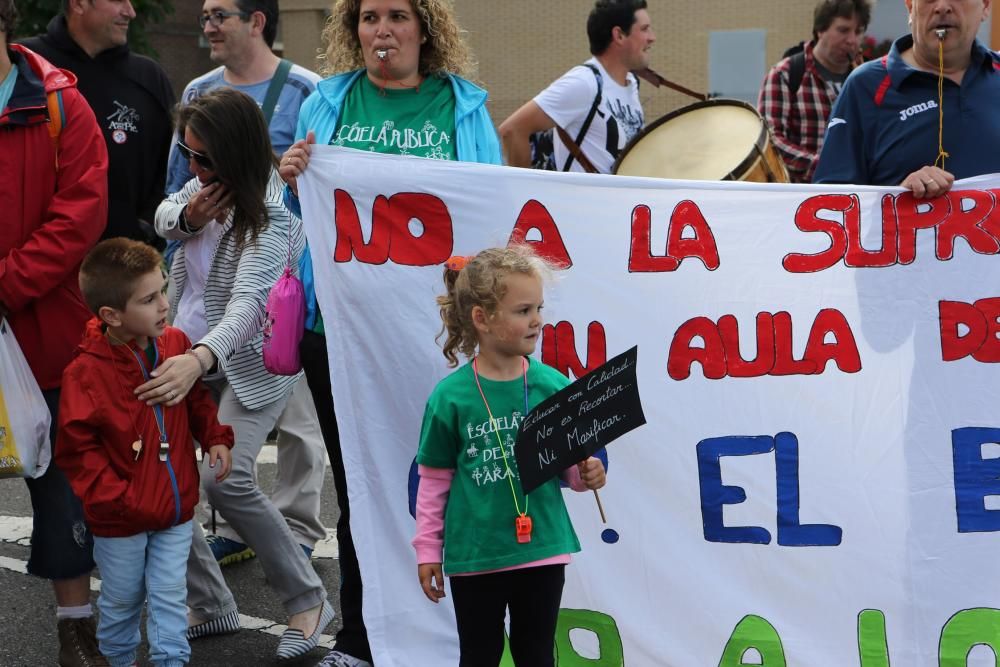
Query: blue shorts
point(61, 544)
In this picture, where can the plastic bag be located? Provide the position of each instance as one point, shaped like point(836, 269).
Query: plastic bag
point(284, 323)
point(24, 416)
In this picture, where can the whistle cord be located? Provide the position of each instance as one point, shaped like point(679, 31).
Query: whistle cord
point(942, 153)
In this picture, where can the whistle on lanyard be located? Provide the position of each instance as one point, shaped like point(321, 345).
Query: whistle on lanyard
point(522, 528)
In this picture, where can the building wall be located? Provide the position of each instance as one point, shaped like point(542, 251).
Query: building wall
point(176, 44)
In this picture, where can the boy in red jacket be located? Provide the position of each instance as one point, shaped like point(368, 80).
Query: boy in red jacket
point(133, 465)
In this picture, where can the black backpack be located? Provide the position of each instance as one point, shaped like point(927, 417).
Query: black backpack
point(542, 143)
point(796, 66)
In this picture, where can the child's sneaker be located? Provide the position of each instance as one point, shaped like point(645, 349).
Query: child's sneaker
point(228, 551)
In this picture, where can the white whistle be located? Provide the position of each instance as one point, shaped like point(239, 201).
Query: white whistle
point(941, 32)
point(381, 53)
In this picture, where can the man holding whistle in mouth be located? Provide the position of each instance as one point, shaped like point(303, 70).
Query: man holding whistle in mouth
point(925, 114)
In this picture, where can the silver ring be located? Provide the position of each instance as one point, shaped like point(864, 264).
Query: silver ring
point(927, 184)
point(170, 395)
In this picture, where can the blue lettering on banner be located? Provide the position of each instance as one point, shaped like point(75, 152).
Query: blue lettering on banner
point(975, 479)
point(715, 494)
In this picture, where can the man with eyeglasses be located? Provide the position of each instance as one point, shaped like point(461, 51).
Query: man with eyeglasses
point(240, 34)
point(132, 99)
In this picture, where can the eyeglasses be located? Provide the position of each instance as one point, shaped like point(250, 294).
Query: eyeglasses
point(217, 18)
point(188, 154)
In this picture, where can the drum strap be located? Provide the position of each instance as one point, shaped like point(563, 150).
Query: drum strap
point(575, 150)
point(574, 146)
point(658, 80)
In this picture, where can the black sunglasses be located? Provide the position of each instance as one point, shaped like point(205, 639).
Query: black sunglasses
point(188, 153)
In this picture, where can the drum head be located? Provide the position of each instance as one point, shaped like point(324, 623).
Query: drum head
point(707, 141)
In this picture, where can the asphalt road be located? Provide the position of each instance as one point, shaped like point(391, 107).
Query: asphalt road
point(27, 608)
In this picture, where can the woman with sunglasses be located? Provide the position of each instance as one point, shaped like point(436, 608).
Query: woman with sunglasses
point(392, 61)
point(236, 239)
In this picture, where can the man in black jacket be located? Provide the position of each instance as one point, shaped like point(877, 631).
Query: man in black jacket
point(132, 99)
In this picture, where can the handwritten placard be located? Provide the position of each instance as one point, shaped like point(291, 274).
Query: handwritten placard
point(572, 424)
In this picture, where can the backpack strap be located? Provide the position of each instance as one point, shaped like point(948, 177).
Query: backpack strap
point(57, 118)
point(274, 89)
point(796, 70)
point(574, 147)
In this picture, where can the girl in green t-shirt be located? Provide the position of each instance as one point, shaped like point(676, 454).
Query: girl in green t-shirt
point(503, 550)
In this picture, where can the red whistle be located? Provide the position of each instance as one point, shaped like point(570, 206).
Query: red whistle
point(522, 527)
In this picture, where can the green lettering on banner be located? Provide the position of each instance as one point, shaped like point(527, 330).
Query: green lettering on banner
point(967, 629)
point(872, 645)
point(611, 653)
point(610, 650)
point(754, 632)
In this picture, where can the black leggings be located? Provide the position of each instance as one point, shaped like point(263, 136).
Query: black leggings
point(481, 601)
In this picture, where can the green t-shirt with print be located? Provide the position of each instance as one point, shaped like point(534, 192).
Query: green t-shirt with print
point(479, 517)
point(409, 121)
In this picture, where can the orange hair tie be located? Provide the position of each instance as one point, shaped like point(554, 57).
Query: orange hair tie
point(458, 262)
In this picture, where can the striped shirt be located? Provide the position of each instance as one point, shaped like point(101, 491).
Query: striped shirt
point(236, 290)
point(798, 121)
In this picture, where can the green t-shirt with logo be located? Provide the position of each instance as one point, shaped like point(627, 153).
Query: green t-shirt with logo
point(479, 517)
point(409, 121)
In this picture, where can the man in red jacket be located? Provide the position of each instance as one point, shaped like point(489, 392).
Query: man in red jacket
point(53, 166)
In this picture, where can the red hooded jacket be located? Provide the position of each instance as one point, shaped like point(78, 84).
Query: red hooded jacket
point(53, 209)
point(99, 416)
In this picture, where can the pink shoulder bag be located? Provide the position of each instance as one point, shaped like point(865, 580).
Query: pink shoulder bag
point(284, 321)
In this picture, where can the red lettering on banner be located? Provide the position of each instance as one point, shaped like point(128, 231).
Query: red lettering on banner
point(712, 356)
point(559, 348)
point(857, 255)
point(534, 215)
point(350, 238)
point(843, 350)
point(685, 216)
point(720, 354)
point(967, 224)
point(391, 235)
point(902, 217)
point(981, 341)
point(737, 366)
point(785, 362)
point(913, 214)
point(808, 220)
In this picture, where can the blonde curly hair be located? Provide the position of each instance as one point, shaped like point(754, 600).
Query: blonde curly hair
point(445, 50)
point(481, 282)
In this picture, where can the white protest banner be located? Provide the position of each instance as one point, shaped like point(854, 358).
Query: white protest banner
point(818, 481)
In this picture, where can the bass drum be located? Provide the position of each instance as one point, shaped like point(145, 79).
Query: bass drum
point(715, 140)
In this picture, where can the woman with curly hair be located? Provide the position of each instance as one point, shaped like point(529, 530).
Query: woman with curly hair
point(395, 85)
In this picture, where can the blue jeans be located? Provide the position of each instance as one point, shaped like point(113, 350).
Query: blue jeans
point(148, 567)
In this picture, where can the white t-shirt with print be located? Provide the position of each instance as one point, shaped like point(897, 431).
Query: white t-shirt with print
point(567, 101)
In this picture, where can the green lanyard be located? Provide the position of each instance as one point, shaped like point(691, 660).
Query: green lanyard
point(496, 430)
